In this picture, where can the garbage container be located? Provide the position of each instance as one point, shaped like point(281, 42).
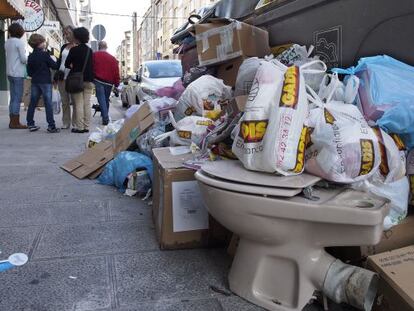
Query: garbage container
point(342, 31)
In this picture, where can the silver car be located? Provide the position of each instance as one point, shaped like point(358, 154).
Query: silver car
point(154, 75)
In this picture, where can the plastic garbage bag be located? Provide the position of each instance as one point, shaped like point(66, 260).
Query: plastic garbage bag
point(109, 131)
point(131, 111)
point(410, 174)
point(205, 97)
point(147, 141)
point(174, 91)
point(396, 192)
point(400, 120)
point(95, 138)
point(333, 88)
point(385, 83)
point(161, 106)
point(125, 163)
point(342, 147)
point(245, 76)
point(187, 131)
point(56, 101)
point(271, 134)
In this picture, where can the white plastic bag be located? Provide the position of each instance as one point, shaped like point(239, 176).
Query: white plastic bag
point(161, 106)
point(94, 138)
point(189, 130)
point(333, 89)
point(56, 101)
point(342, 147)
point(396, 192)
point(204, 97)
point(272, 135)
point(245, 76)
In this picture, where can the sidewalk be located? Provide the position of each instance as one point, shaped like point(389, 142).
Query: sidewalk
point(90, 247)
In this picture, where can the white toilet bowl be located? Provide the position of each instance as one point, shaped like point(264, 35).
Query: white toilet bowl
point(281, 260)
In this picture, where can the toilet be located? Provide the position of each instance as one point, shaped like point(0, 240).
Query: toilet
point(284, 223)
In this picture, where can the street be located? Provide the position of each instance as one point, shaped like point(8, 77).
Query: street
point(90, 247)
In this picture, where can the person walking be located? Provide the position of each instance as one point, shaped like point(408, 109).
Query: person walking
point(78, 60)
point(16, 61)
point(106, 73)
point(68, 118)
point(38, 67)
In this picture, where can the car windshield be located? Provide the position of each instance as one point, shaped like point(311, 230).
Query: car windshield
point(164, 69)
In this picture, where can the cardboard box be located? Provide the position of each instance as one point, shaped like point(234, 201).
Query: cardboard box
point(396, 270)
point(228, 71)
point(222, 40)
point(92, 160)
point(181, 218)
point(399, 236)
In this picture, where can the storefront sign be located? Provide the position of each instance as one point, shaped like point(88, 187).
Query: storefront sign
point(51, 26)
point(34, 16)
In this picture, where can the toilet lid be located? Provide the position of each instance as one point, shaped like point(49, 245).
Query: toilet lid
point(235, 172)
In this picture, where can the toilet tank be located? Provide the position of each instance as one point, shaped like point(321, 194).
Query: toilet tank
point(342, 31)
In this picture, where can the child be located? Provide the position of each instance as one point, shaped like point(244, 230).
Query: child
point(38, 67)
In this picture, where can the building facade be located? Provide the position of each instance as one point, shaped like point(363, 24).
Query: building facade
point(159, 24)
point(58, 13)
point(125, 55)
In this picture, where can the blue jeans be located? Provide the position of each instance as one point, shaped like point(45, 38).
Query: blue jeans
point(36, 91)
point(16, 94)
point(103, 91)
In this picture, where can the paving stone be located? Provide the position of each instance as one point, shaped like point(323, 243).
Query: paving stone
point(16, 240)
point(63, 285)
point(172, 305)
point(26, 195)
point(91, 239)
point(167, 275)
point(93, 192)
point(237, 303)
point(130, 209)
point(53, 213)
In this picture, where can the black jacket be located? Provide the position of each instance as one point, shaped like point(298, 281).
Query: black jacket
point(39, 64)
point(76, 59)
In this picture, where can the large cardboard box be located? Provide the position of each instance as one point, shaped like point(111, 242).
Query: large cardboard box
point(396, 287)
point(228, 71)
point(93, 159)
point(398, 236)
point(180, 216)
point(222, 40)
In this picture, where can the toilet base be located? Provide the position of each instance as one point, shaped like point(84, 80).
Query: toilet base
point(280, 278)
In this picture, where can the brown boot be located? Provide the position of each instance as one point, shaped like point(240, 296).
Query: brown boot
point(15, 122)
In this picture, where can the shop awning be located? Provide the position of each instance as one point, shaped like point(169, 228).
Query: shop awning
point(12, 8)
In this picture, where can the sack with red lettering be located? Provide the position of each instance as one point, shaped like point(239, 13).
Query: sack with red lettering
point(271, 133)
point(342, 147)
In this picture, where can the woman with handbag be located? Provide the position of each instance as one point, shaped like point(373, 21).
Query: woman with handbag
point(68, 119)
point(79, 82)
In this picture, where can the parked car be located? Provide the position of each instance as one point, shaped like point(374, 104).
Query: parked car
point(154, 75)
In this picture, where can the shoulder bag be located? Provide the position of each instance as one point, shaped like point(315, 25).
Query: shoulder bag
point(74, 81)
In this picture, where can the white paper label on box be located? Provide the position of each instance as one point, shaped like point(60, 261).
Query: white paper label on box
point(189, 210)
point(180, 150)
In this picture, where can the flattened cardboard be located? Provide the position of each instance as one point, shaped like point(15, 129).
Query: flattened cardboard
point(214, 45)
point(133, 127)
point(168, 169)
point(90, 161)
point(396, 269)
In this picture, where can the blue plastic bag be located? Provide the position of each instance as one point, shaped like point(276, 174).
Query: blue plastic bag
point(117, 171)
point(391, 81)
point(389, 84)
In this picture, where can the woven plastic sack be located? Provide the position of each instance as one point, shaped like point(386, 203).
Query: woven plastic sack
point(271, 134)
point(205, 97)
point(341, 146)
